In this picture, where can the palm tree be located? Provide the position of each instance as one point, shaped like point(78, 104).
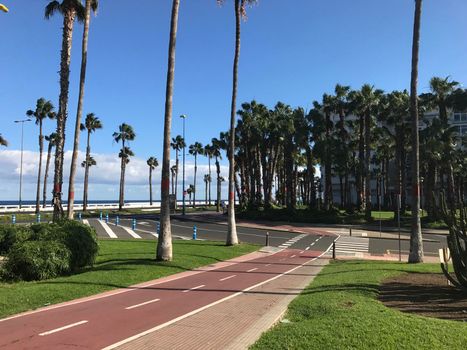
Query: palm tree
point(91, 124)
point(86, 164)
point(152, 164)
point(43, 110)
point(52, 140)
point(71, 10)
point(173, 173)
point(124, 134)
point(194, 150)
point(164, 243)
point(90, 5)
point(207, 181)
point(216, 152)
point(416, 240)
point(3, 141)
point(178, 144)
point(239, 9)
point(208, 153)
point(190, 190)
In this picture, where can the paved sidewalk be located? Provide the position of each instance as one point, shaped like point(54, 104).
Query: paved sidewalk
point(236, 323)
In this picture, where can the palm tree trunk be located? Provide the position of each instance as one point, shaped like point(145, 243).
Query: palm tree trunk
point(164, 243)
point(232, 238)
point(41, 147)
point(79, 113)
point(218, 195)
point(367, 165)
point(194, 180)
point(209, 162)
point(416, 243)
point(44, 194)
point(360, 183)
point(86, 172)
point(176, 176)
point(150, 185)
point(122, 179)
point(206, 191)
point(68, 21)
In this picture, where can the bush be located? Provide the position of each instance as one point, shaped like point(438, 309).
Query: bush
point(10, 234)
point(37, 260)
point(81, 240)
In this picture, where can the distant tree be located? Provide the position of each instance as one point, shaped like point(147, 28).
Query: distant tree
point(52, 140)
point(152, 164)
point(195, 149)
point(44, 109)
point(207, 181)
point(178, 144)
point(3, 141)
point(208, 153)
point(124, 134)
point(91, 124)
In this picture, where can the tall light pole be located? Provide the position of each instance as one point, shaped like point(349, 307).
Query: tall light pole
point(183, 116)
point(21, 162)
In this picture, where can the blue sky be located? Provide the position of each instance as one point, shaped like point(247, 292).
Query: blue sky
point(292, 51)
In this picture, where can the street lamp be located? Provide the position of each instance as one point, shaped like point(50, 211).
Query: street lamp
point(183, 116)
point(21, 162)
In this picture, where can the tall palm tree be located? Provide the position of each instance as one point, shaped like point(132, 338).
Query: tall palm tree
point(152, 164)
point(3, 141)
point(194, 150)
point(239, 9)
point(178, 144)
point(91, 124)
point(164, 243)
point(416, 240)
point(43, 110)
point(87, 164)
point(208, 153)
point(71, 10)
point(90, 5)
point(52, 140)
point(207, 181)
point(216, 152)
point(124, 134)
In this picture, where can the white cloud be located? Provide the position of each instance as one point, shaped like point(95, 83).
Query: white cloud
point(103, 180)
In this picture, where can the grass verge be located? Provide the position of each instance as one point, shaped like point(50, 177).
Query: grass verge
point(339, 310)
point(120, 263)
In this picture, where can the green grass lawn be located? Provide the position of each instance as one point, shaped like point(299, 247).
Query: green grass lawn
point(120, 263)
point(339, 310)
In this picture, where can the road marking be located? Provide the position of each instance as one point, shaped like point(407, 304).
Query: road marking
point(251, 270)
point(302, 252)
point(142, 304)
point(227, 278)
point(194, 312)
point(108, 229)
point(86, 222)
point(312, 244)
point(194, 288)
point(131, 232)
point(238, 233)
point(307, 248)
point(267, 265)
point(293, 256)
point(63, 328)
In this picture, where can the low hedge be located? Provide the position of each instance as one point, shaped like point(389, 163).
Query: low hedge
point(44, 251)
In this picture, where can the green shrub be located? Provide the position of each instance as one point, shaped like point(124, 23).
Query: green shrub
point(37, 260)
point(81, 240)
point(10, 234)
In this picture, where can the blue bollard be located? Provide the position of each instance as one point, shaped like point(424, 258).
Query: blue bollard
point(117, 220)
point(13, 219)
point(107, 218)
point(79, 216)
point(100, 216)
point(38, 218)
point(158, 230)
point(194, 232)
point(133, 224)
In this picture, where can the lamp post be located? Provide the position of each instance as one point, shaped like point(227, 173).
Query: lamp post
point(21, 161)
point(183, 116)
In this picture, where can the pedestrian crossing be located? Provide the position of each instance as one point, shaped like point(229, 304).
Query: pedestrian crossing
point(347, 245)
point(292, 241)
